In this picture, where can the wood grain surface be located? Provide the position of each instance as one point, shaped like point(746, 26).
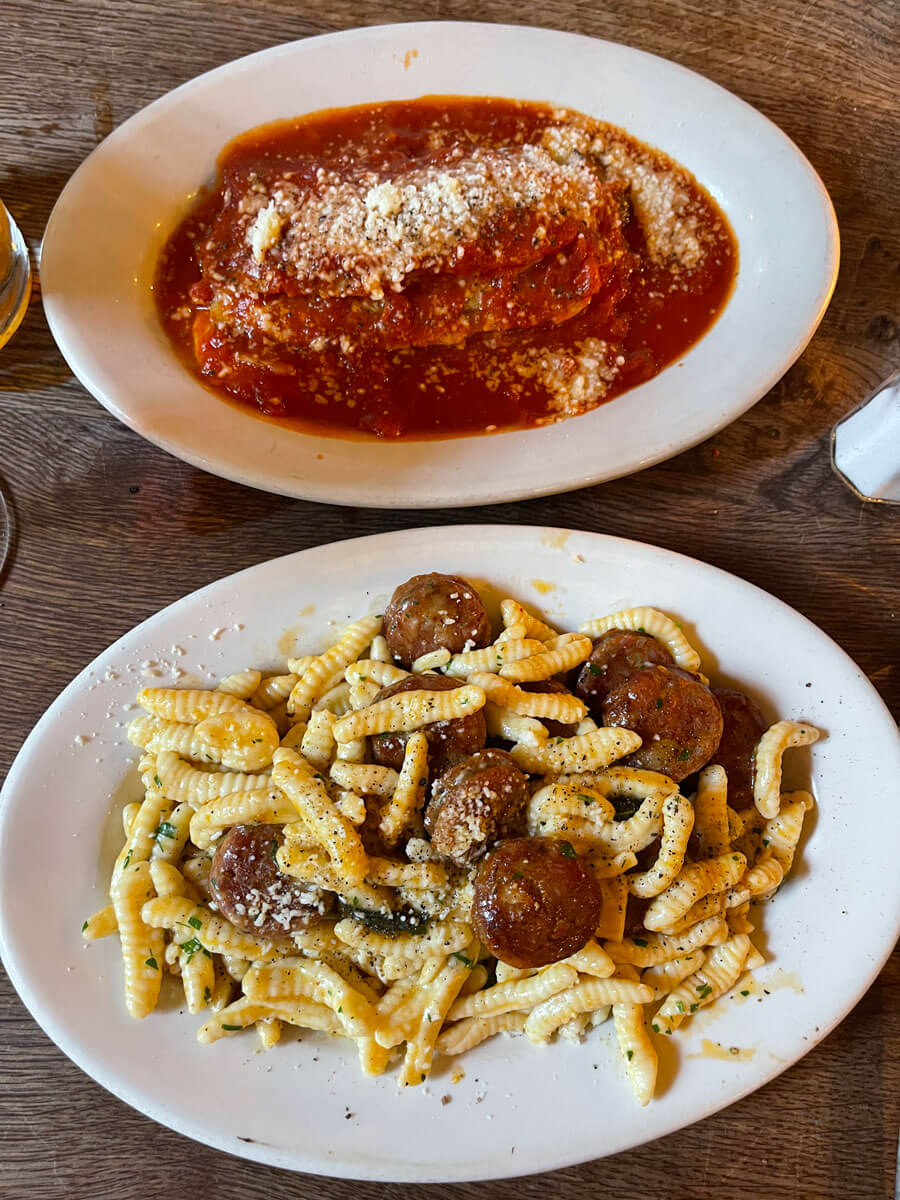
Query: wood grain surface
point(109, 529)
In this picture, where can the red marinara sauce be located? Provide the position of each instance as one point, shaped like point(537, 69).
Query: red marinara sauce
point(662, 295)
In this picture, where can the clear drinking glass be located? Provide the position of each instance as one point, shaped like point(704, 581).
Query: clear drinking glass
point(15, 276)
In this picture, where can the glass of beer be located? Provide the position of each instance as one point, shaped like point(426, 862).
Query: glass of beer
point(15, 276)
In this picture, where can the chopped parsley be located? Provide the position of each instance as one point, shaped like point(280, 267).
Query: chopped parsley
point(195, 922)
point(232, 1028)
point(194, 947)
point(593, 668)
point(694, 1007)
point(165, 829)
point(567, 850)
point(559, 741)
point(679, 1004)
point(655, 1027)
point(585, 799)
point(642, 630)
point(745, 992)
point(466, 962)
point(273, 851)
point(207, 995)
point(639, 941)
point(629, 1054)
point(157, 781)
point(127, 859)
point(151, 962)
point(703, 990)
point(84, 927)
point(684, 755)
point(659, 702)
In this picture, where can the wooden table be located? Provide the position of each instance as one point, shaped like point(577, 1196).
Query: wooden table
point(93, 556)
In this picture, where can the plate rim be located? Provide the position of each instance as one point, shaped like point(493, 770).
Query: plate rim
point(394, 1171)
point(478, 492)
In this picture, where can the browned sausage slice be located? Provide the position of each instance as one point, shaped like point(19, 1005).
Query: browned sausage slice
point(448, 741)
point(252, 893)
point(432, 611)
point(617, 653)
point(677, 717)
point(744, 725)
point(535, 903)
point(474, 804)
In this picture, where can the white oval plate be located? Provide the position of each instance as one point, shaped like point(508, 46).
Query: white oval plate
point(107, 227)
point(289, 1107)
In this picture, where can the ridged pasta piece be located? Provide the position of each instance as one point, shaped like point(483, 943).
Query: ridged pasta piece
point(515, 994)
point(312, 683)
point(243, 740)
point(767, 761)
point(584, 996)
point(293, 738)
point(368, 670)
point(432, 661)
point(188, 920)
point(294, 858)
point(242, 684)
point(653, 622)
point(408, 711)
point(505, 972)
point(553, 706)
point(711, 905)
point(493, 657)
point(574, 755)
point(307, 792)
point(566, 808)
point(183, 781)
point(693, 882)
point(100, 924)
point(302, 979)
point(366, 779)
point(592, 959)
point(664, 977)
point(195, 869)
point(361, 696)
point(677, 823)
point(379, 651)
point(401, 816)
point(142, 945)
point(472, 1031)
point(438, 996)
point(558, 655)
point(272, 691)
point(187, 705)
point(718, 975)
point(711, 833)
point(317, 745)
point(759, 883)
point(222, 988)
point(514, 615)
point(155, 734)
point(440, 939)
point(198, 975)
point(390, 873)
point(658, 948)
point(172, 834)
point(244, 1013)
point(129, 812)
point(373, 1059)
point(351, 806)
point(169, 881)
point(511, 727)
point(781, 834)
point(144, 828)
point(738, 920)
point(300, 665)
point(478, 977)
point(635, 833)
point(638, 1052)
point(264, 806)
point(336, 700)
point(611, 925)
point(269, 1031)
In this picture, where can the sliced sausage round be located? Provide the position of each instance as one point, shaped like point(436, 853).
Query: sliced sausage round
point(535, 902)
point(432, 611)
point(474, 804)
point(616, 654)
point(744, 725)
point(250, 890)
point(448, 741)
point(676, 716)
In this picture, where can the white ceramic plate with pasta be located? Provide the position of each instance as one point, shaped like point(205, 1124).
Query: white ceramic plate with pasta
point(134, 188)
point(825, 935)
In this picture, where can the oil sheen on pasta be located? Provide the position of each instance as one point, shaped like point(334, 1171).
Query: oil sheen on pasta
point(441, 266)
